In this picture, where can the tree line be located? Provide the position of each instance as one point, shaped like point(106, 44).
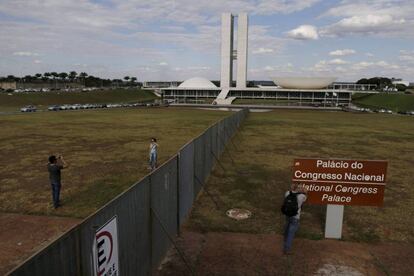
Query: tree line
point(381, 83)
point(72, 76)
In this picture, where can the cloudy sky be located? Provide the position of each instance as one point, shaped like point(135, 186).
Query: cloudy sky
point(175, 40)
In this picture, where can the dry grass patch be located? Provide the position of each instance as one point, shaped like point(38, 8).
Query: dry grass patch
point(107, 151)
point(261, 173)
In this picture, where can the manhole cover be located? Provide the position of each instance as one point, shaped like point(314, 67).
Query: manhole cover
point(238, 214)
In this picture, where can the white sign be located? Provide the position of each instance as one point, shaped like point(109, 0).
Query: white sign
point(105, 249)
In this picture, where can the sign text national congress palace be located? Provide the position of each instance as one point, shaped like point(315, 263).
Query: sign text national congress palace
point(347, 182)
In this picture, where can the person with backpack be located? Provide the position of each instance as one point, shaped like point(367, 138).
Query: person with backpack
point(291, 208)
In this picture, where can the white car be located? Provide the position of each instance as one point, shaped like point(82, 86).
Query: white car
point(29, 108)
point(65, 107)
point(75, 106)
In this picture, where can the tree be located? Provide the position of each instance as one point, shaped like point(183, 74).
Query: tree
point(83, 76)
point(54, 75)
point(72, 75)
point(133, 79)
point(11, 78)
point(401, 87)
point(28, 78)
point(362, 81)
point(380, 82)
point(38, 75)
point(117, 82)
point(63, 75)
point(126, 78)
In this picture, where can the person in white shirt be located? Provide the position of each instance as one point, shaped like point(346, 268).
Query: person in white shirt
point(153, 153)
point(292, 222)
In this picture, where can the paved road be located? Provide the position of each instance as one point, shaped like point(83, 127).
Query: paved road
point(250, 106)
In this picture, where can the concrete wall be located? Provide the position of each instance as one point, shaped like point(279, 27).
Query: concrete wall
point(8, 85)
point(38, 85)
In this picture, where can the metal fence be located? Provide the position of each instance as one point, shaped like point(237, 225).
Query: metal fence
point(148, 214)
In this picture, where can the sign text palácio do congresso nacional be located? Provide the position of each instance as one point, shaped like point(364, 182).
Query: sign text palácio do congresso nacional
point(343, 182)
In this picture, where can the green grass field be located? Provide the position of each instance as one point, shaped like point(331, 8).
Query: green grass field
point(42, 100)
point(395, 102)
point(261, 172)
point(107, 151)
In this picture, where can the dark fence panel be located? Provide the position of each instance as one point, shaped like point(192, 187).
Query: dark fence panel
point(214, 140)
point(208, 154)
point(148, 214)
point(199, 152)
point(59, 258)
point(164, 207)
point(132, 209)
point(185, 181)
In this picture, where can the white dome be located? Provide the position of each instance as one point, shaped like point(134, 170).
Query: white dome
point(197, 83)
point(304, 82)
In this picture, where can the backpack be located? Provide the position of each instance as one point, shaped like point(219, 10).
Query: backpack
point(290, 206)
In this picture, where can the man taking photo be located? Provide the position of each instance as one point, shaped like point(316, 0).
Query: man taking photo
point(54, 166)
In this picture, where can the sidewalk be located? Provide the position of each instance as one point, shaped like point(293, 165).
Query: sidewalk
point(251, 254)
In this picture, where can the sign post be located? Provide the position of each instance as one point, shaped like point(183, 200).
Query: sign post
point(339, 182)
point(334, 219)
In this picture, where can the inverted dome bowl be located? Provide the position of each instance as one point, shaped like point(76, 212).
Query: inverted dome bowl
point(304, 82)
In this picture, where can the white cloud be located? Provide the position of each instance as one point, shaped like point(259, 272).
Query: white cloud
point(370, 23)
point(337, 61)
point(340, 69)
point(343, 52)
point(269, 68)
point(304, 32)
point(163, 63)
point(262, 50)
point(362, 65)
point(369, 54)
point(25, 54)
point(406, 56)
point(371, 17)
point(281, 6)
point(37, 61)
point(198, 68)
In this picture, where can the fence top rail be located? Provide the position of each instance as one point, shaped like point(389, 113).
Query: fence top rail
point(212, 125)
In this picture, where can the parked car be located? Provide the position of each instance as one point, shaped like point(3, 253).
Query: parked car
point(75, 106)
point(29, 108)
point(65, 107)
point(54, 108)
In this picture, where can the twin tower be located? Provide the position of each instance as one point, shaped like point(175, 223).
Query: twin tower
point(229, 54)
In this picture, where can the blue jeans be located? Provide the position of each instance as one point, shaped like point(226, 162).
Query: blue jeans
point(153, 160)
point(291, 226)
point(56, 194)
